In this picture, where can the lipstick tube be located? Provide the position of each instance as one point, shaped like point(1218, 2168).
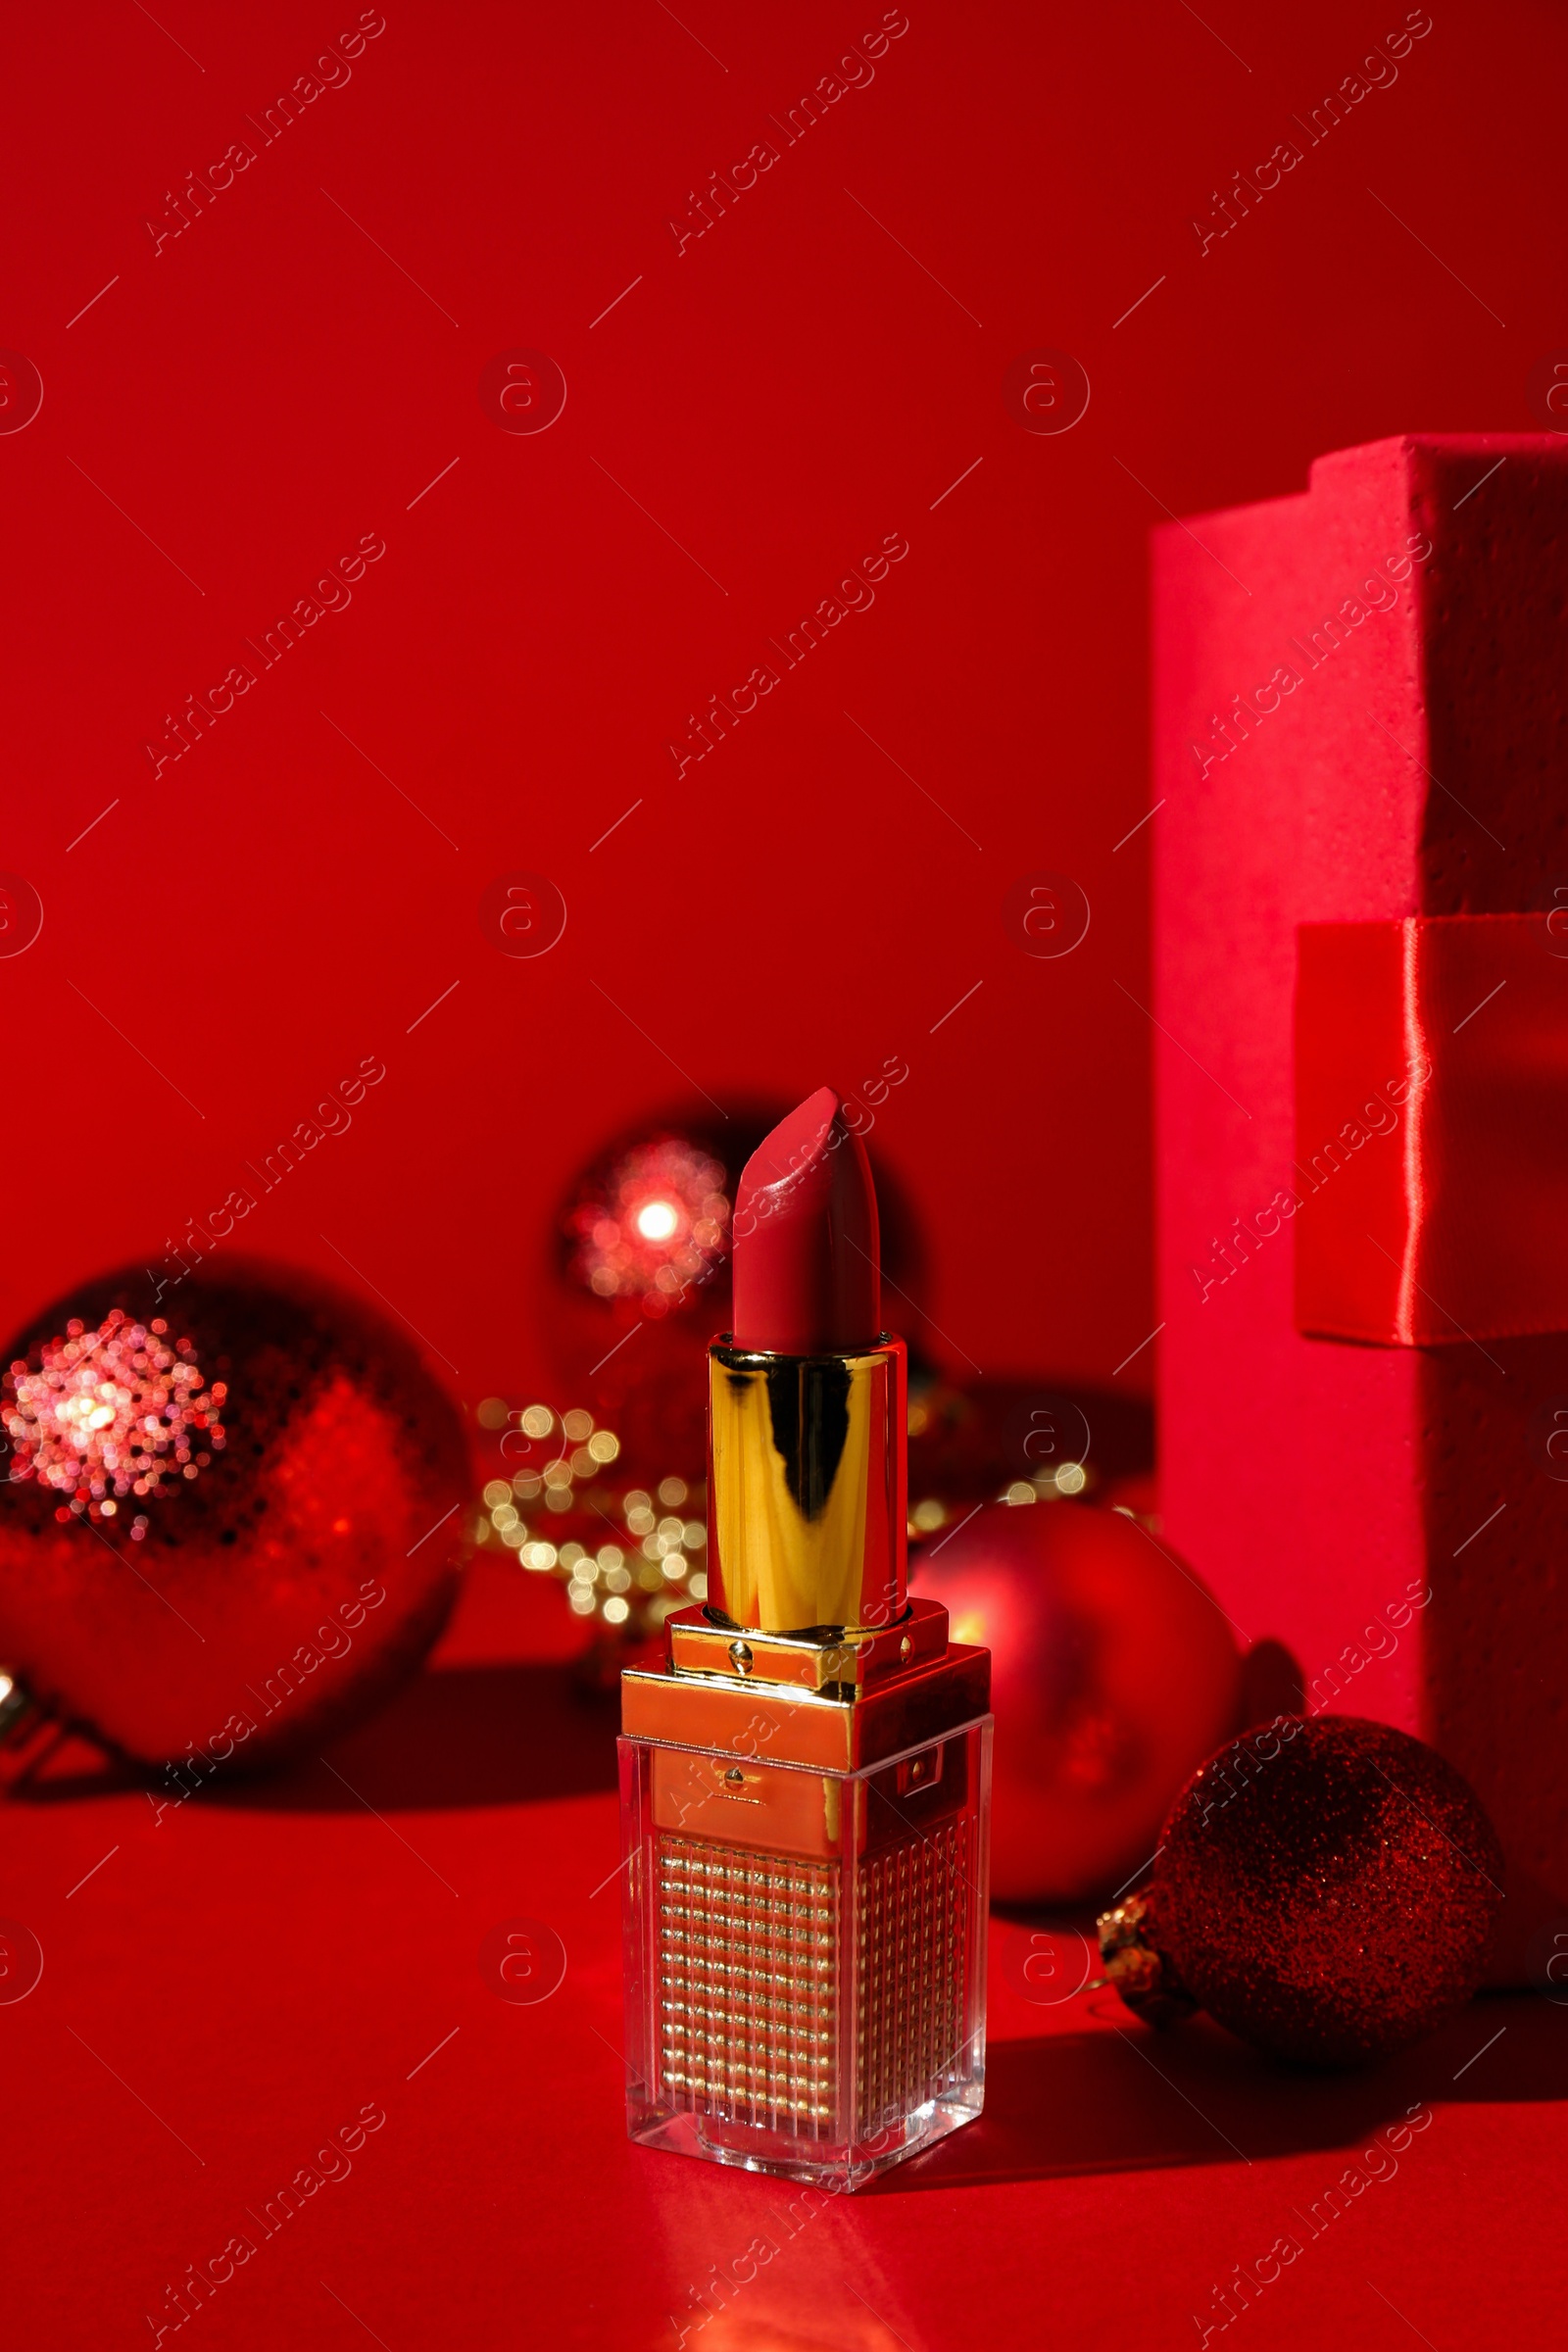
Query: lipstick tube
point(805, 1802)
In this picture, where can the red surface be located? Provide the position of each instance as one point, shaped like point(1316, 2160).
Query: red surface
point(807, 1270)
point(258, 1970)
point(1392, 1515)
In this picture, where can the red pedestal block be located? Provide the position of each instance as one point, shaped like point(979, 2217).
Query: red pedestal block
point(1362, 717)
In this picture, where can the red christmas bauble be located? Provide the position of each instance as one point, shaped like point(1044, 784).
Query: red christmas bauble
point(652, 1226)
point(234, 1519)
point(1113, 1672)
point(644, 1237)
point(1328, 1890)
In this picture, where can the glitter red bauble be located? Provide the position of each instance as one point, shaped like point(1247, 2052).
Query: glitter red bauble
point(643, 1256)
point(1328, 1890)
point(650, 1226)
point(234, 1517)
point(1113, 1672)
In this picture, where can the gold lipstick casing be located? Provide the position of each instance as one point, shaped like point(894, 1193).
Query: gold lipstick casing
point(806, 1487)
point(806, 1803)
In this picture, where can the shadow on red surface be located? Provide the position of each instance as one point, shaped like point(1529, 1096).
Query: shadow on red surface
point(480, 1735)
point(1124, 2100)
point(459, 1735)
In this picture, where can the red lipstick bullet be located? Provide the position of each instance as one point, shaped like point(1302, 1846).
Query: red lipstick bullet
point(806, 1268)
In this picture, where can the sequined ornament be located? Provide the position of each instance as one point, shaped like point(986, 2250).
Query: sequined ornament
point(1114, 1672)
point(1327, 1888)
point(112, 1412)
point(233, 1518)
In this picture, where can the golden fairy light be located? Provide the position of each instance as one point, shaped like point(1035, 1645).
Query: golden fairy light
point(625, 1556)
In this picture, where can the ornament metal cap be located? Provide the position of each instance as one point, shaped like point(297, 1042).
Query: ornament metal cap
point(15, 1701)
point(29, 1731)
point(1136, 1967)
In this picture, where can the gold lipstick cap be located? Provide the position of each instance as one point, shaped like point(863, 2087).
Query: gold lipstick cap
point(808, 1488)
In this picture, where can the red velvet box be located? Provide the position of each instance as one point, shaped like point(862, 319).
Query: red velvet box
point(1360, 719)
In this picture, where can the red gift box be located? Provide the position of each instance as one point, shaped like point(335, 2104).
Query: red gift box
point(1360, 730)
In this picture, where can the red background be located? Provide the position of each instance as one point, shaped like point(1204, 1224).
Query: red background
point(781, 395)
point(267, 911)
